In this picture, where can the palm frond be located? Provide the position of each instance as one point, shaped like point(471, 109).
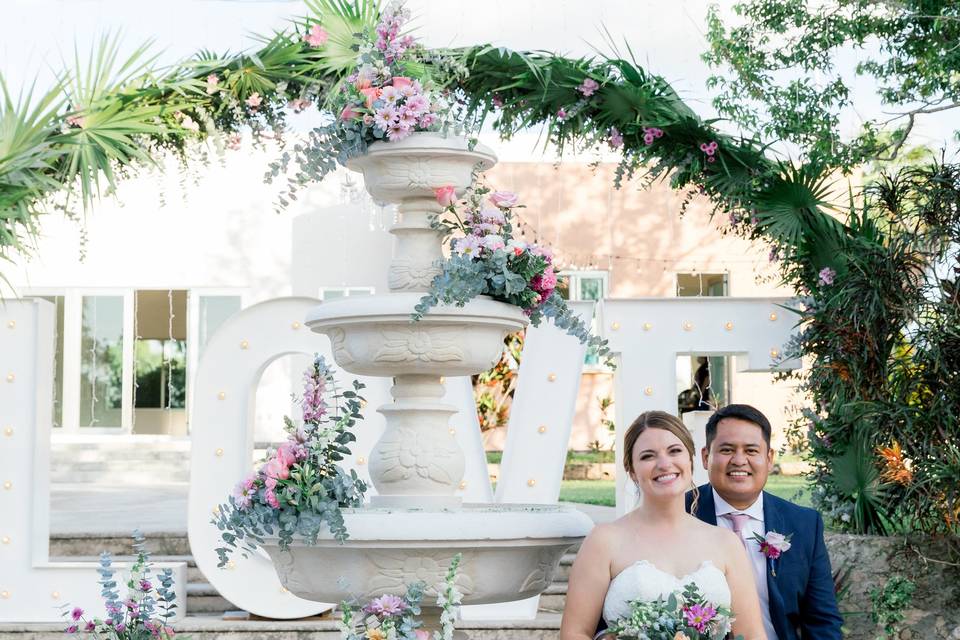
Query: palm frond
point(342, 20)
point(109, 129)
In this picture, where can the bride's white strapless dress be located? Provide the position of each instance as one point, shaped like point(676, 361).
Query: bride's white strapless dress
point(644, 581)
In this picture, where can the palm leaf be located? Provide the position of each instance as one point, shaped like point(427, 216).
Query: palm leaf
point(110, 130)
point(26, 158)
point(342, 20)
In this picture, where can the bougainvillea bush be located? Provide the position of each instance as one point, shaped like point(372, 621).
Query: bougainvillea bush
point(299, 489)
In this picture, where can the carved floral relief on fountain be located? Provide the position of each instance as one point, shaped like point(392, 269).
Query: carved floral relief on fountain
point(396, 569)
point(418, 345)
point(405, 452)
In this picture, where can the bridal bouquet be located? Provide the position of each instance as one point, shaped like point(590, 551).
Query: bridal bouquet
point(392, 617)
point(486, 259)
point(300, 486)
point(684, 615)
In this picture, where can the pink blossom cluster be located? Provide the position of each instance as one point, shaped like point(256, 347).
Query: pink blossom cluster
point(400, 108)
point(388, 33)
point(650, 134)
point(826, 276)
point(709, 148)
point(588, 87)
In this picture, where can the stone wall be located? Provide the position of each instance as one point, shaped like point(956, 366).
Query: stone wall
point(872, 560)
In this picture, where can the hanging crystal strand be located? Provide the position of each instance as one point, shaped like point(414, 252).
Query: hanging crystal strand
point(170, 344)
point(93, 370)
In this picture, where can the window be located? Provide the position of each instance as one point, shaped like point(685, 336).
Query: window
point(704, 379)
point(331, 293)
point(213, 311)
point(101, 362)
point(584, 285)
point(701, 284)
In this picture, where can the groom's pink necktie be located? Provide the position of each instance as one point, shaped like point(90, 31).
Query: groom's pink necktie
point(739, 520)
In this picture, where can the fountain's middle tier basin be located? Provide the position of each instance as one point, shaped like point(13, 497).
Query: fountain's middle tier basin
point(510, 552)
point(374, 335)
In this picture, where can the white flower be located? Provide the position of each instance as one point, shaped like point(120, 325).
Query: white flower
point(778, 541)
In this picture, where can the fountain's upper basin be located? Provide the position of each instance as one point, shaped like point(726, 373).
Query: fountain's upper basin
point(373, 335)
point(510, 552)
point(420, 163)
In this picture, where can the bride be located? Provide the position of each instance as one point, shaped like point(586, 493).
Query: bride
point(658, 548)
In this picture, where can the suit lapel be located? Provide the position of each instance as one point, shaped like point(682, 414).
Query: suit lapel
point(773, 521)
point(706, 508)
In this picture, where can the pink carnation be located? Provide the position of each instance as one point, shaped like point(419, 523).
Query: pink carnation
point(316, 37)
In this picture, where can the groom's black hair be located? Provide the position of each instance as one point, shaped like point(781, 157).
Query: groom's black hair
point(743, 412)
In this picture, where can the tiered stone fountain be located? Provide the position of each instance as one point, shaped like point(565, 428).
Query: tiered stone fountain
point(416, 524)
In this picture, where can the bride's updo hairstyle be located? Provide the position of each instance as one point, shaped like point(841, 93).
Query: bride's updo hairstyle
point(667, 422)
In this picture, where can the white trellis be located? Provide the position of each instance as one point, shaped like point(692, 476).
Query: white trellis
point(649, 334)
point(33, 589)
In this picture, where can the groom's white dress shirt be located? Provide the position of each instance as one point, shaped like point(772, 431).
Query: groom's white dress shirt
point(757, 559)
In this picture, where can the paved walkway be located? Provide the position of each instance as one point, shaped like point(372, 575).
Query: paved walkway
point(86, 508)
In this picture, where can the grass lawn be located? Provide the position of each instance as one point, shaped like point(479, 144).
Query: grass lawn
point(601, 491)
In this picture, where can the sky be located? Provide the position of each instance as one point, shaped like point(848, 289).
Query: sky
point(667, 36)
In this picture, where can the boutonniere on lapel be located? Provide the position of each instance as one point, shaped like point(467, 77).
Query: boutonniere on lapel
point(773, 545)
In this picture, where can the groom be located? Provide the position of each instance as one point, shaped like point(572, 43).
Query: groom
point(796, 590)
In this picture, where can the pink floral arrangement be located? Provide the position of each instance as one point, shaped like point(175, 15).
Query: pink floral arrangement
point(380, 101)
point(486, 258)
point(300, 481)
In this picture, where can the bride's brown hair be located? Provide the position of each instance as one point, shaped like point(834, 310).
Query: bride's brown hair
point(667, 422)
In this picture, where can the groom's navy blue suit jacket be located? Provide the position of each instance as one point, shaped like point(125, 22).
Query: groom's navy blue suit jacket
point(802, 599)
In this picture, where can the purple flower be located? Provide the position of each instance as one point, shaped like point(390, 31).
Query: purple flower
point(588, 87)
point(615, 138)
point(386, 605)
point(826, 276)
point(561, 114)
point(121, 627)
point(76, 614)
point(72, 629)
point(145, 585)
point(699, 616)
point(91, 627)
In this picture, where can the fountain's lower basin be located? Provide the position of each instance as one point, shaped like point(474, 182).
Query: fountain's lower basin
point(374, 336)
point(510, 552)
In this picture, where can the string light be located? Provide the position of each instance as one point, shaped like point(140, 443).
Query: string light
point(728, 326)
point(218, 453)
point(773, 317)
point(10, 377)
point(295, 325)
point(12, 324)
point(531, 482)
point(8, 431)
point(552, 377)
point(615, 326)
point(542, 428)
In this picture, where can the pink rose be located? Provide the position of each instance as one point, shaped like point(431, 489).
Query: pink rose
point(399, 82)
point(446, 196)
point(275, 469)
point(420, 634)
point(254, 101)
point(504, 199)
point(362, 83)
point(348, 113)
point(371, 94)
